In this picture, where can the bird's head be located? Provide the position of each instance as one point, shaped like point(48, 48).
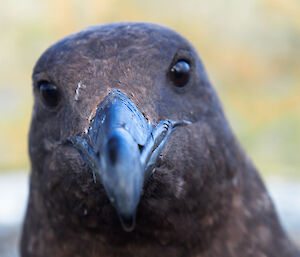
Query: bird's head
point(126, 126)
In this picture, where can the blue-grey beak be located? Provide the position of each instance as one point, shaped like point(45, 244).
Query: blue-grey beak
point(122, 148)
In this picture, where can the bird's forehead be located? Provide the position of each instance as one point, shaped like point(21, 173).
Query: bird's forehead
point(138, 42)
point(131, 57)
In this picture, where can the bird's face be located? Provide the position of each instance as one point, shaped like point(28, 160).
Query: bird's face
point(103, 139)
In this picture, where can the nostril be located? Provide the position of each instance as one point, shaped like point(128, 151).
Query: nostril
point(141, 147)
point(113, 145)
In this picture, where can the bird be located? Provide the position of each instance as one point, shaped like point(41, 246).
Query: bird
point(132, 155)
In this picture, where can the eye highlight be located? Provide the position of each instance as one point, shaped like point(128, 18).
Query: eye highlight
point(180, 73)
point(49, 93)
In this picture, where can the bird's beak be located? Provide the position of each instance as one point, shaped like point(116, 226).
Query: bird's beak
point(122, 148)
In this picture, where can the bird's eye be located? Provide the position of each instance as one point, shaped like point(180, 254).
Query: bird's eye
point(180, 73)
point(49, 93)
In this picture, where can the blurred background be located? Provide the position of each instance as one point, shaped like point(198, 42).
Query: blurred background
point(251, 50)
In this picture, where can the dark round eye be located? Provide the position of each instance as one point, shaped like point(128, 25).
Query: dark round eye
point(49, 93)
point(180, 73)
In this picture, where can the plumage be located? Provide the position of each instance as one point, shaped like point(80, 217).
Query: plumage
point(127, 127)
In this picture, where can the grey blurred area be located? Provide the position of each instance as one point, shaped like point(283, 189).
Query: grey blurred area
point(13, 200)
point(286, 196)
point(14, 192)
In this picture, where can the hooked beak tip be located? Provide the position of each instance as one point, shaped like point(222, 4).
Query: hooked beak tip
point(128, 222)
